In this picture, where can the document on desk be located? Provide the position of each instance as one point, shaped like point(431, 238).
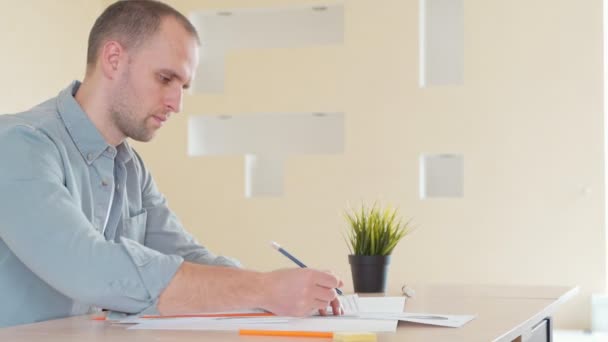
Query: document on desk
point(350, 305)
point(452, 321)
point(350, 322)
point(317, 323)
point(367, 314)
point(392, 308)
point(380, 304)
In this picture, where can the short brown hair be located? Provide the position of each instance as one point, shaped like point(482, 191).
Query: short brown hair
point(132, 22)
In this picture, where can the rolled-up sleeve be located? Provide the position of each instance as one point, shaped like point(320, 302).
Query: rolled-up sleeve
point(43, 226)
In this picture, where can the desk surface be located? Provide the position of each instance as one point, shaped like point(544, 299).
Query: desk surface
point(504, 313)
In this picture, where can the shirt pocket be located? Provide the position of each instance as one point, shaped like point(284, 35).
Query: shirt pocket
point(134, 227)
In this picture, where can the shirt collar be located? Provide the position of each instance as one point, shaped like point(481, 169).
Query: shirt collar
point(85, 135)
point(124, 152)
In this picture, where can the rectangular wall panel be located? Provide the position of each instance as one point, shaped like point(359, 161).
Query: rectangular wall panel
point(441, 42)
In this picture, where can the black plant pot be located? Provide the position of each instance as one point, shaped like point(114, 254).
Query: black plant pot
point(369, 272)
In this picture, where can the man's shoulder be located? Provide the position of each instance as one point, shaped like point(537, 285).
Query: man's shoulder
point(43, 117)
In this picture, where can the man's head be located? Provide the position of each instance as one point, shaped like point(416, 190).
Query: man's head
point(142, 53)
point(132, 23)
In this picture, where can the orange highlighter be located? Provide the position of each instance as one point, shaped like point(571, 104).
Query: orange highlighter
point(322, 334)
point(337, 337)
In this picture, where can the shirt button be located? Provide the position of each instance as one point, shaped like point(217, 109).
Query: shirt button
point(104, 182)
point(111, 151)
point(117, 187)
point(90, 156)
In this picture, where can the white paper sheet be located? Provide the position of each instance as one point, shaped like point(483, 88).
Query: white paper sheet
point(296, 324)
point(453, 321)
point(363, 314)
point(350, 323)
point(134, 319)
point(350, 304)
point(381, 304)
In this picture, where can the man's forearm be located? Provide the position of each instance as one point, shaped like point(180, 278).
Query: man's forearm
point(204, 288)
point(286, 292)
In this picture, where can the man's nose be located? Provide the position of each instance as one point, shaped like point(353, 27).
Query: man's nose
point(173, 100)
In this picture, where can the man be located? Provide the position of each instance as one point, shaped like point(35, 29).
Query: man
point(82, 224)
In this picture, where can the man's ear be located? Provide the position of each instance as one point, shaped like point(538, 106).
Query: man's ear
point(110, 59)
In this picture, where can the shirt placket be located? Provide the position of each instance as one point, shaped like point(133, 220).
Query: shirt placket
point(103, 190)
point(118, 203)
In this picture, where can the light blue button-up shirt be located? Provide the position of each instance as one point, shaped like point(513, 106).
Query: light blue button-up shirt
point(82, 224)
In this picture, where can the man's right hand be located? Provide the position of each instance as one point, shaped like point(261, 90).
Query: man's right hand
point(298, 292)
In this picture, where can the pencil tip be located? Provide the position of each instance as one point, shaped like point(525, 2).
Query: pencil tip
point(275, 245)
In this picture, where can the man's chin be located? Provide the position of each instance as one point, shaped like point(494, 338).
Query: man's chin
point(143, 138)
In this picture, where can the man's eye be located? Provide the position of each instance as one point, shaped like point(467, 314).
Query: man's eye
point(164, 79)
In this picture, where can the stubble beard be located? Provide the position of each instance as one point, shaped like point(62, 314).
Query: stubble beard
point(124, 117)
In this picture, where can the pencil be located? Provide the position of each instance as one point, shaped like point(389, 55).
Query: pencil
point(322, 334)
point(293, 258)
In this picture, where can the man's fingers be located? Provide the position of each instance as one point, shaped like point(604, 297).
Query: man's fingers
point(324, 294)
point(326, 279)
point(310, 290)
point(321, 304)
point(336, 307)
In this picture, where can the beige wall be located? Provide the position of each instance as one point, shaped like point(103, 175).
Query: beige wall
point(528, 120)
point(43, 48)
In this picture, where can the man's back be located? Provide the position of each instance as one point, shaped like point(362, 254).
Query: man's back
point(26, 297)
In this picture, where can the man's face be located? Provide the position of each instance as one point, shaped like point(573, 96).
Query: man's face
point(152, 84)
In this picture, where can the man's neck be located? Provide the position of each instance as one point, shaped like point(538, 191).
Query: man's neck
point(93, 101)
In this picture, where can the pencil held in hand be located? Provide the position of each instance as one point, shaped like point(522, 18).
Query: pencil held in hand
point(293, 258)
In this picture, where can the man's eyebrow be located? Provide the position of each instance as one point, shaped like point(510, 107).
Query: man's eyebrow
point(172, 74)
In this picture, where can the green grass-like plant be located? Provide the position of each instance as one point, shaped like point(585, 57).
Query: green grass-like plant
point(374, 231)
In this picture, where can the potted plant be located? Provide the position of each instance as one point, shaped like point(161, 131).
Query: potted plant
point(371, 237)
